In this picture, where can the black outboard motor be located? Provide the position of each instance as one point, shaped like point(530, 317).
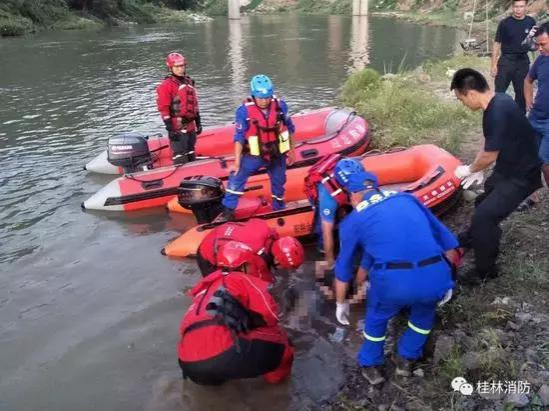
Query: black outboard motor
point(202, 195)
point(130, 151)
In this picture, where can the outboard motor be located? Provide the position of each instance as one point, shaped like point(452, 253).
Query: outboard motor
point(131, 152)
point(202, 195)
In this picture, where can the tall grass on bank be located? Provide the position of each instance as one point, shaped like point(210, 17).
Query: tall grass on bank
point(404, 111)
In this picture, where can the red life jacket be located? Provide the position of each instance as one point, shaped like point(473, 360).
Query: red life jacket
point(172, 102)
point(185, 102)
point(255, 233)
point(203, 337)
point(267, 136)
point(323, 172)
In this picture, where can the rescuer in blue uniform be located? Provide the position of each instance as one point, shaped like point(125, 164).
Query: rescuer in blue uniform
point(404, 250)
point(263, 138)
point(326, 196)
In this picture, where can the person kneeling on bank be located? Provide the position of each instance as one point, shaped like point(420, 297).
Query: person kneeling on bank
point(231, 329)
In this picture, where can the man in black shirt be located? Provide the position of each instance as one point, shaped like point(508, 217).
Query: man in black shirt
point(513, 64)
point(510, 143)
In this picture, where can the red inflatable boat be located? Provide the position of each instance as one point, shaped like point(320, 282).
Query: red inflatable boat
point(317, 134)
point(218, 141)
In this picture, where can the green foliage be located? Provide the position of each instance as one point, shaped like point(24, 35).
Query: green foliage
point(15, 26)
point(452, 365)
point(22, 16)
point(77, 23)
point(44, 13)
point(438, 69)
point(383, 5)
point(253, 4)
point(217, 7)
point(360, 86)
point(404, 113)
point(325, 6)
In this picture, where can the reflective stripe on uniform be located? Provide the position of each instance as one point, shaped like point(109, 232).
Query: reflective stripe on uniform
point(238, 193)
point(339, 190)
point(275, 197)
point(417, 329)
point(374, 339)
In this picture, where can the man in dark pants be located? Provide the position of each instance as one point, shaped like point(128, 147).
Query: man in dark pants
point(512, 66)
point(177, 103)
point(510, 143)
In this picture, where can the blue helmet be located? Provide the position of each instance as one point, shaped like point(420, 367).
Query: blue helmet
point(352, 176)
point(261, 86)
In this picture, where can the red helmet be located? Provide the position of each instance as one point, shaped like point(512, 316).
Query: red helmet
point(288, 252)
point(175, 59)
point(234, 254)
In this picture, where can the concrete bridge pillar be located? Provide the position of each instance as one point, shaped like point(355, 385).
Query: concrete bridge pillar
point(360, 7)
point(234, 9)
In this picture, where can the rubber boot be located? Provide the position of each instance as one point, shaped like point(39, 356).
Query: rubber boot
point(179, 159)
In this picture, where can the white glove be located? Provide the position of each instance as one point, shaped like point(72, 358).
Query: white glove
point(474, 179)
point(447, 297)
point(462, 171)
point(533, 31)
point(342, 313)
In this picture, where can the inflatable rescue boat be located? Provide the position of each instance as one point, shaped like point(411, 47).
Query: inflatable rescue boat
point(154, 152)
point(327, 131)
point(425, 171)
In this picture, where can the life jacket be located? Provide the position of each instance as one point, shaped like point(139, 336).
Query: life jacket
point(185, 103)
point(203, 336)
point(267, 136)
point(255, 233)
point(323, 172)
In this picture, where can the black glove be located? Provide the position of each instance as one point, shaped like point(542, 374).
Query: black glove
point(169, 126)
point(198, 125)
point(232, 313)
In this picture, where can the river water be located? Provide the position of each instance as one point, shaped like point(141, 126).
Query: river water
point(89, 309)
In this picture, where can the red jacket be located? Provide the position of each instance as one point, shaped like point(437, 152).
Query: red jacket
point(205, 342)
point(166, 101)
point(255, 233)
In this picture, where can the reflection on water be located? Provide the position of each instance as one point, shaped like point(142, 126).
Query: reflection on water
point(89, 308)
point(359, 43)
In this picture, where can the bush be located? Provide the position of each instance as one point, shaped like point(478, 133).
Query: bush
point(325, 6)
point(217, 8)
point(403, 113)
point(44, 13)
point(15, 26)
point(78, 23)
point(359, 85)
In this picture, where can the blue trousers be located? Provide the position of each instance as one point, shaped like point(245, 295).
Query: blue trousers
point(419, 290)
point(249, 165)
point(542, 127)
point(410, 344)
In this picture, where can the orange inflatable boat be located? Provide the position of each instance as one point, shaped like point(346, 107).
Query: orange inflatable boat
point(317, 134)
point(426, 171)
